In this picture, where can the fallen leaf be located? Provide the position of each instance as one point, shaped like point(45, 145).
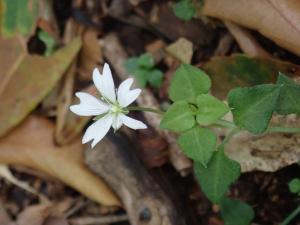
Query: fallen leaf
point(182, 50)
point(276, 19)
point(240, 70)
point(31, 145)
point(246, 41)
point(30, 83)
point(12, 52)
point(18, 17)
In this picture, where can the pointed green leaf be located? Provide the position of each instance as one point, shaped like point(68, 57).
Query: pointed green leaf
point(253, 107)
point(146, 60)
point(220, 173)
point(235, 212)
point(210, 109)
point(289, 99)
point(184, 10)
point(188, 82)
point(131, 65)
point(155, 77)
point(179, 117)
point(198, 144)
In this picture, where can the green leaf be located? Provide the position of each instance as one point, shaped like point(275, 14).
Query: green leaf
point(188, 82)
point(146, 60)
point(179, 117)
point(198, 144)
point(48, 40)
point(294, 186)
point(184, 10)
point(141, 76)
point(235, 212)
point(155, 77)
point(18, 17)
point(289, 99)
point(210, 109)
point(220, 173)
point(131, 65)
point(253, 107)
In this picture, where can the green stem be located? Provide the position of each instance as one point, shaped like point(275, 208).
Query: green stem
point(283, 129)
point(225, 123)
point(228, 137)
point(144, 109)
point(291, 216)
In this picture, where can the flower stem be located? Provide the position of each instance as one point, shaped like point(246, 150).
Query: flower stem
point(283, 129)
point(228, 137)
point(144, 109)
point(291, 216)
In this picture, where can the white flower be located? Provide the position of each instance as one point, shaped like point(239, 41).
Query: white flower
point(111, 111)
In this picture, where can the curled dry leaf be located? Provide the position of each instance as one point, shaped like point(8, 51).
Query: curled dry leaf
point(246, 41)
point(31, 82)
point(276, 19)
point(31, 145)
point(235, 72)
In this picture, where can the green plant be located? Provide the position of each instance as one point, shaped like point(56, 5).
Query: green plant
point(142, 68)
point(184, 9)
point(194, 112)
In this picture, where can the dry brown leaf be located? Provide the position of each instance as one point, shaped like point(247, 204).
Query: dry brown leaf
point(246, 41)
point(31, 82)
point(276, 19)
point(31, 145)
point(12, 52)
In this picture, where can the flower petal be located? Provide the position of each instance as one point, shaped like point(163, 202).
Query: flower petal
point(125, 95)
point(89, 105)
point(117, 123)
point(97, 79)
point(105, 83)
point(98, 130)
point(132, 123)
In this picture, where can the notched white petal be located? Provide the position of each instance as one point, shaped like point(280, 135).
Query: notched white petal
point(89, 105)
point(132, 123)
point(98, 130)
point(108, 86)
point(125, 95)
point(97, 79)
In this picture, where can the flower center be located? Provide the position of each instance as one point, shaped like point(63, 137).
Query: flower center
point(115, 109)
